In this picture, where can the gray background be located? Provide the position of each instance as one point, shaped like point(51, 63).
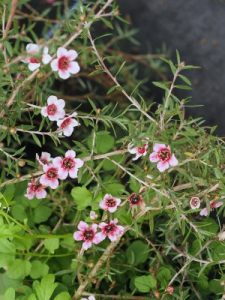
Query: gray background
point(197, 29)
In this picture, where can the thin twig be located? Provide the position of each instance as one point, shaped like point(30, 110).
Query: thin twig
point(106, 70)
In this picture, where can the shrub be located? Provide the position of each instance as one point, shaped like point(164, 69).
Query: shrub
point(115, 197)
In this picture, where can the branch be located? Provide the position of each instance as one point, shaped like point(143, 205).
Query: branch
point(85, 159)
point(106, 70)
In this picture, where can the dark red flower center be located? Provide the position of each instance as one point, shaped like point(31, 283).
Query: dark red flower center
point(135, 199)
point(51, 109)
point(213, 205)
point(110, 202)
point(52, 173)
point(35, 187)
point(141, 150)
point(109, 228)
point(164, 154)
point(88, 235)
point(34, 60)
point(68, 163)
point(194, 201)
point(65, 123)
point(63, 63)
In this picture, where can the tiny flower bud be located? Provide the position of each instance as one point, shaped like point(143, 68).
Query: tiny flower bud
point(21, 163)
point(12, 130)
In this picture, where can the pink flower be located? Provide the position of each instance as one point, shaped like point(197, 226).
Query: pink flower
point(163, 156)
point(64, 64)
point(138, 151)
point(35, 57)
point(195, 202)
point(212, 205)
point(50, 177)
point(66, 126)
point(111, 230)
point(44, 159)
point(135, 199)
point(110, 203)
point(87, 234)
point(33, 60)
point(69, 165)
point(35, 190)
point(54, 109)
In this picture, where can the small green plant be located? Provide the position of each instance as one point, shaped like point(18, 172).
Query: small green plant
point(104, 194)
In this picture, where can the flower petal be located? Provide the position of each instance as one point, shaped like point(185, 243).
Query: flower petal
point(72, 54)
point(62, 52)
point(82, 225)
point(173, 161)
point(74, 67)
point(54, 65)
point(162, 166)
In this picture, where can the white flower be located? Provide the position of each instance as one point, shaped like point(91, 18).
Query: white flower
point(64, 64)
point(66, 126)
point(54, 109)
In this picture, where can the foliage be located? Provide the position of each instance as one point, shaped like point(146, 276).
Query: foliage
point(166, 244)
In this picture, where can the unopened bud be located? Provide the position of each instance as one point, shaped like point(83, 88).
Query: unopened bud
point(21, 163)
point(12, 130)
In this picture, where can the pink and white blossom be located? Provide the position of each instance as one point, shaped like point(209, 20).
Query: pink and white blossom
point(35, 190)
point(212, 205)
point(111, 230)
point(44, 159)
point(69, 165)
point(109, 203)
point(88, 234)
point(195, 202)
point(51, 176)
point(35, 56)
point(64, 64)
point(66, 125)
point(54, 109)
point(138, 151)
point(163, 156)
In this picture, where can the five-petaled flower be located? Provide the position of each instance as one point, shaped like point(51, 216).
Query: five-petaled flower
point(111, 230)
point(66, 126)
point(50, 177)
point(35, 56)
point(195, 202)
point(44, 159)
point(109, 203)
point(64, 64)
point(35, 190)
point(88, 234)
point(212, 205)
point(69, 165)
point(138, 151)
point(163, 156)
point(135, 199)
point(54, 109)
